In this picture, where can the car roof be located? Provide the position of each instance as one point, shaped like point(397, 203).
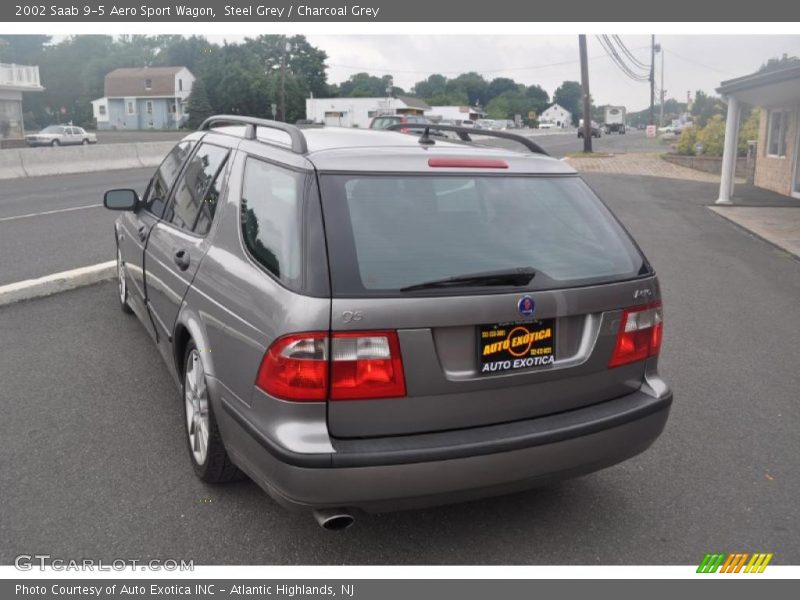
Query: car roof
point(349, 150)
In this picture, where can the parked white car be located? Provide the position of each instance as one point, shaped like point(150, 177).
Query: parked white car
point(61, 135)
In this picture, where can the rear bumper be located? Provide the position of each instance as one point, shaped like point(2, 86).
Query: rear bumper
point(438, 468)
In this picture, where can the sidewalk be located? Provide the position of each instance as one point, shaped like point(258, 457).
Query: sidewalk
point(779, 225)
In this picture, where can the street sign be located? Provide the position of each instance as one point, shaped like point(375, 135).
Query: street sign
point(532, 114)
point(651, 131)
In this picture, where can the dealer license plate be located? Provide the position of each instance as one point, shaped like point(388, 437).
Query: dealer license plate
point(513, 346)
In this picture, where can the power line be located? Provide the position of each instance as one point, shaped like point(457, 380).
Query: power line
point(608, 46)
point(699, 64)
point(459, 72)
point(629, 54)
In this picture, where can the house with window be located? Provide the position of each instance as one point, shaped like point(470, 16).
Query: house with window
point(15, 80)
point(144, 98)
point(557, 116)
point(359, 112)
point(777, 93)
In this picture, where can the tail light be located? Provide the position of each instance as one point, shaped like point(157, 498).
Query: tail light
point(639, 337)
point(295, 367)
point(342, 366)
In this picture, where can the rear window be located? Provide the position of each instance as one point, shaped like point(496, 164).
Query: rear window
point(389, 232)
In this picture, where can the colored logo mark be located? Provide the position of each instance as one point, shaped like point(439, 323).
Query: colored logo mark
point(735, 562)
point(526, 306)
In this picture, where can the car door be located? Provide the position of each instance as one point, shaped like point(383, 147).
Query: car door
point(72, 136)
point(134, 227)
point(177, 242)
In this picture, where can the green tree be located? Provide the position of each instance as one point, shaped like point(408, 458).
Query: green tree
point(775, 64)
point(538, 97)
point(198, 105)
point(22, 49)
point(749, 128)
point(712, 136)
point(570, 95)
point(705, 107)
point(435, 85)
point(364, 85)
point(499, 85)
point(472, 84)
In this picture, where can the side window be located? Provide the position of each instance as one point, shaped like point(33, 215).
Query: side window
point(157, 192)
point(271, 221)
point(195, 188)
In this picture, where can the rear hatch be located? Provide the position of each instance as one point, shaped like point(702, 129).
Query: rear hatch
point(505, 293)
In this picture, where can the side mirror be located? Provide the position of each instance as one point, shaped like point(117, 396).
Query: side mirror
point(123, 199)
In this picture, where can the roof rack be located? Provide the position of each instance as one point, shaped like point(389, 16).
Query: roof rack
point(464, 134)
point(298, 140)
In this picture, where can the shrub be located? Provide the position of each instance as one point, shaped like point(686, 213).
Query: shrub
point(712, 136)
point(686, 142)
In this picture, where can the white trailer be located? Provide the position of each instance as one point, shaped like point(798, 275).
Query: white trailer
point(615, 119)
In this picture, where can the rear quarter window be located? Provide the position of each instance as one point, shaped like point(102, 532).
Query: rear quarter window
point(271, 219)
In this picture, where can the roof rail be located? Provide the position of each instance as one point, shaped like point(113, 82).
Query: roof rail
point(464, 134)
point(298, 140)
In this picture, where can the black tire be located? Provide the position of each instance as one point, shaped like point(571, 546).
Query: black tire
point(122, 287)
point(84, 142)
point(217, 466)
point(55, 143)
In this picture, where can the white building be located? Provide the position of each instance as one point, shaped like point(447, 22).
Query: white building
point(358, 112)
point(144, 98)
point(14, 81)
point(557, 116)
point(456, 113)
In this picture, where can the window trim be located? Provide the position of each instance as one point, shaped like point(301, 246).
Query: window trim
point(168, 199)
point(783, 132)
point(301, 283)
point(220, 171)
point(148, 84)
point(148, 107)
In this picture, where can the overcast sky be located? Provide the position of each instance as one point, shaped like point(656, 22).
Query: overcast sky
point(691, 62)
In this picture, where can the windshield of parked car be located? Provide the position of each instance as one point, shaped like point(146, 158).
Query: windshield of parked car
point(52, 129)
point(391, 232)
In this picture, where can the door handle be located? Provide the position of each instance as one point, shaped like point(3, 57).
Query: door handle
point(142, 231)
point(182, 259)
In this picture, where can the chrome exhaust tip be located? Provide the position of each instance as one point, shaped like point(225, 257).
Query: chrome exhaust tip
point(333, 519)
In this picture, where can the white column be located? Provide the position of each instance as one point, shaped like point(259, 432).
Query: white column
point(729, 153)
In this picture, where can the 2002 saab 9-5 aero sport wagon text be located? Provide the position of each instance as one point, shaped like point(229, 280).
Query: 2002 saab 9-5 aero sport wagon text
point(376, 320)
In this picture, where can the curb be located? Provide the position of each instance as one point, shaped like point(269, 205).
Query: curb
point(57, 282)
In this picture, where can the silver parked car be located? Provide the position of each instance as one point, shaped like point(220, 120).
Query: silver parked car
point(61, 135)
point(373, 320)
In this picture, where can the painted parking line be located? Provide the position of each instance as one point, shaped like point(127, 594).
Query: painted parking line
point(57, 282)
point(49, 212)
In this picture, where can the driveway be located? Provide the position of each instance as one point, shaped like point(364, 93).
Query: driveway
point(95, 464)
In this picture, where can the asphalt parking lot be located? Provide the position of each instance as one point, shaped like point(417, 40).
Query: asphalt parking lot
point(95, 464)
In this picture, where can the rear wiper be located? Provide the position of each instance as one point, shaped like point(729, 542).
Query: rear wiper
point(518, 276)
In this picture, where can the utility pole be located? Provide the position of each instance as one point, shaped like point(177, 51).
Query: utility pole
point(663, 91)
point(587, 99)
point(652, 78)
point(286, 49)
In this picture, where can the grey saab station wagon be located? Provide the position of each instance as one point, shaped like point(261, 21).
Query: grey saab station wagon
point(371, 320)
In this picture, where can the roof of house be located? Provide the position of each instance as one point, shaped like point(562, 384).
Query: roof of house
point(412, 102)
point(765, 88)
point(556, 106)
point(131, 82)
